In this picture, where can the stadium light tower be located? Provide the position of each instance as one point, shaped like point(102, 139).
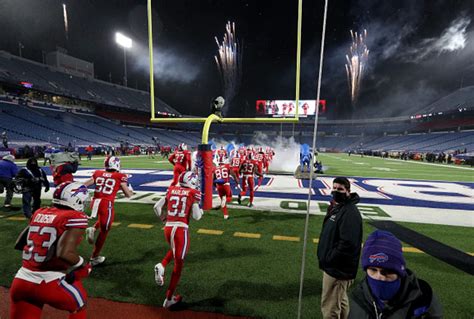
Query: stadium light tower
point(125, 43)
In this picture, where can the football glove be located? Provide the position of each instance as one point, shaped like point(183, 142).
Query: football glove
point(79, 273)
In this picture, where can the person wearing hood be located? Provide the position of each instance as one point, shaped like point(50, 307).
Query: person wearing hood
point(31, 179)
point(339, 249)
point(8, 170)
point(389, 290)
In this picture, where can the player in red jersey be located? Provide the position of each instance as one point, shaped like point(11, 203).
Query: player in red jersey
point(242, 152)
point(235, 167)
point(183, 202)
point(248, 168)
point(262, 163)
point(222, 174)
point(221, 154)
point(181, 160)
point(52, 269)
point(107, 183)
point(269, 153)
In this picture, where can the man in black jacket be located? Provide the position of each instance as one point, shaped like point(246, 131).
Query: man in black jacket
point(339, 249)
point(29, 181)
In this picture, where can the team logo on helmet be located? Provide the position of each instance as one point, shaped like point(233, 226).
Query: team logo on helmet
point(71, 194)
point(189, 180)
point(112, 162)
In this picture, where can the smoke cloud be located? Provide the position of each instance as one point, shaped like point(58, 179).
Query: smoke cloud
point(169, 65)
point(453, 38)
point(287, 150)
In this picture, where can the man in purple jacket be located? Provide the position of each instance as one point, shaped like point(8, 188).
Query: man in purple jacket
point(8, 171)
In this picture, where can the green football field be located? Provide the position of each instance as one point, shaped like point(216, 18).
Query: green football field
point(335, 165)
point(250, 264)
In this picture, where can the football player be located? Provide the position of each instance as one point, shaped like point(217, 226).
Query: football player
point(52, 269)
point(221, 154)
point(222, 175)
point(182, 203)
point(248, 168)
point(235, 167)
point(63, 172)
point(261, 162)
point(181, 160)
point(269, 153)
point(107, 183)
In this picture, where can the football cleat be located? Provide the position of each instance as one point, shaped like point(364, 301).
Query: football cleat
point(90, 235)
point(160, 275)
point(239, 199)
point(250, 205)
point(226, 217)
point(95, 261)
point(174, 300)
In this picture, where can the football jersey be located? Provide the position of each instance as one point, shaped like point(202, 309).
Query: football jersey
point(107, 184)
point(260, 157)
point(46, 228)
point(221, 153)
point(236, 161)
point(222, 172)
point(180, 157)
point(180, 202)
point(247, 167)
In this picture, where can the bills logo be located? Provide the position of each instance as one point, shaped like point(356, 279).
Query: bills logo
point(378, 258)
point(82, 189)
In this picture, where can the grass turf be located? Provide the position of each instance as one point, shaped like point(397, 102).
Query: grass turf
point(367, 166)
point(335, 165)
point(238, 276)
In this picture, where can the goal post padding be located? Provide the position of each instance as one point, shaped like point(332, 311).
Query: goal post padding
point(205, 175)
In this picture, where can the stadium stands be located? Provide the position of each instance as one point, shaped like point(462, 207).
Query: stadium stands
point(104, 114)
point(44, 78)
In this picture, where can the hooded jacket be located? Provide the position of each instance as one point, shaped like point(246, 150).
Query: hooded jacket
point(31, 177)
point(8, 168)
point(341, 239)
point(415, 299)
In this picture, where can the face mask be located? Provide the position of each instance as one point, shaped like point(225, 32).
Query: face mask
point(339, 197)
point(383, 290)
point(32, 165)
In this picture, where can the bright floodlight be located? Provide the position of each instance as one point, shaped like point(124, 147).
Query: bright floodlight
point(123, 41)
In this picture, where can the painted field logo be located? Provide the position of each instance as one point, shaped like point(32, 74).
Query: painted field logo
point(378, 258)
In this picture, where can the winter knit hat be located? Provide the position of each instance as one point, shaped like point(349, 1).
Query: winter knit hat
point(382, 249)
point(9, 157)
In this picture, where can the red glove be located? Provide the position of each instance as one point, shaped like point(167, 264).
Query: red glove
point(79, 273)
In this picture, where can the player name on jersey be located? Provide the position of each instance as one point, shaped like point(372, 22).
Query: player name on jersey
point(44, 219)
point(179, 192)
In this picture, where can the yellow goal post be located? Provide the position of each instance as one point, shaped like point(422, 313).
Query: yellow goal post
point(214, 118)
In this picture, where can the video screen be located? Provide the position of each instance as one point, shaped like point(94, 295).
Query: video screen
point(287, 108)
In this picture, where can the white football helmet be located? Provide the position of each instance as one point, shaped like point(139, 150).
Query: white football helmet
point(112, 162)
point(189, 179)
point(71, 194)
point(182, 147)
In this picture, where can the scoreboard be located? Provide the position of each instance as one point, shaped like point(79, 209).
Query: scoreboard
point(287, 108)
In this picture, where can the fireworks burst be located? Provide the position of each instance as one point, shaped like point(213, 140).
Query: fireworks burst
point(66, 27)
point(229, 62)
point(356, 63)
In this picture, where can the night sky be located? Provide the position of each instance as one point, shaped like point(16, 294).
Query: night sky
point(419, 50)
